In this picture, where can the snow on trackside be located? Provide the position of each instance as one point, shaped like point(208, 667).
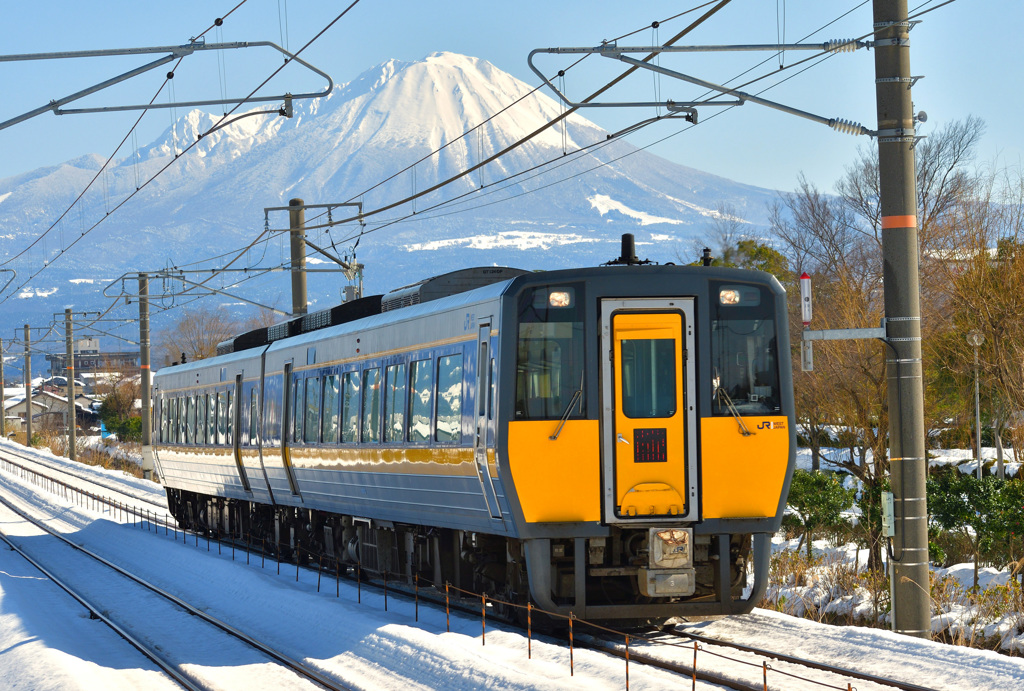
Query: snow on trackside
point(50, 643)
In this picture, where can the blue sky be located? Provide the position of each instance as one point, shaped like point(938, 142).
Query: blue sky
point(967, 52)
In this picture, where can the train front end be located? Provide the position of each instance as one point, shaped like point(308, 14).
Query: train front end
point(649, 437)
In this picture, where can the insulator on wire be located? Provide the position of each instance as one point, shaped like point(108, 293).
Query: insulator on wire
point(847, 126)
point(842, 45)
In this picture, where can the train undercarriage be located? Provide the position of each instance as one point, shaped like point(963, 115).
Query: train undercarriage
point(600, 579)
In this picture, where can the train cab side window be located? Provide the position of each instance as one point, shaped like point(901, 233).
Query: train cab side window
point(394, 403)
point(371, 405)
point(330, 415)
point(549, 352)
point(449, 398)
point(420, 401)
point(744, 351)
point(312, 424)
point(200, 419)
point(350, 407)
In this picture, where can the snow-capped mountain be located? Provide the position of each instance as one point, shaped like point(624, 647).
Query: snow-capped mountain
point(348, 147)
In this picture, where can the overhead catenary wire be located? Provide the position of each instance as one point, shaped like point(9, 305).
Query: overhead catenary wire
point(193, 144)
point(110, 158)
point(491, 191)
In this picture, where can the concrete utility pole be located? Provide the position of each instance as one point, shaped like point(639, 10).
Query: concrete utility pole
point(898, 202)
point(70, 389)
point(147, 419)
point(297, 223)
point(28, 388)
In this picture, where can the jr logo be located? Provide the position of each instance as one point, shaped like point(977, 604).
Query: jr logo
point(768, 424)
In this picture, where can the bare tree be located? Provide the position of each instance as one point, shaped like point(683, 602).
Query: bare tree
point(837, 240)
point(196, 333)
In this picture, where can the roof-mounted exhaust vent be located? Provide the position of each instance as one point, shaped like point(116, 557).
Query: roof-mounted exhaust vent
point(628, 256)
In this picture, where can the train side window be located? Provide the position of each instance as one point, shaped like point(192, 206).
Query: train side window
point(190, 420)
point(163, 421)
point(211, 419)
point(181, 420)
point(420, 401)
point(371, 405)
point(172, 420)
point(449, 398)
point(200, 419)
point(312, 424)
point(330, 423)
point(229, 410)
point(298, 410)
point(222, 418)
point(254, 411)
point(394, 403)
point(350, 407)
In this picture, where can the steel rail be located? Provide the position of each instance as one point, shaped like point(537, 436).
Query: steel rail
point(104, 485)
point(296, 666)
point(782, 657)
point(98, 613)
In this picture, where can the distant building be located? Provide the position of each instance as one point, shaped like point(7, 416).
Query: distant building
point(90, 360)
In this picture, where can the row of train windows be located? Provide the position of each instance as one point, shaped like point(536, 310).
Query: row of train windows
point(396, 404)
point(202, 419)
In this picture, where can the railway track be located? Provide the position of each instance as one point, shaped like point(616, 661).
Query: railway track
point(646, 648)
point(765, 669)
point(32, 463)
point(803, 662)
point(154, 646)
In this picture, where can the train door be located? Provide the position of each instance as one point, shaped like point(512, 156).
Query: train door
point(236, 424)
point(483, 373)
point(649, 410)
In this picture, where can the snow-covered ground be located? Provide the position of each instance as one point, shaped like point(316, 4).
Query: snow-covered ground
point(48, 642)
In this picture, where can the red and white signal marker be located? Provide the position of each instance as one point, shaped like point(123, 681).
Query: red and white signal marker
point(805, 298)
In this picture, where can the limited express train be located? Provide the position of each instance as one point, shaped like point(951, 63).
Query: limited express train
point(616, 442)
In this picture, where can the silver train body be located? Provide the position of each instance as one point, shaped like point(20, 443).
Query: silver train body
point(614, 442)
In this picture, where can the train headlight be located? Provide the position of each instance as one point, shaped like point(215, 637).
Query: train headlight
point(670, 548)
point(739, 296)
point(729, 296)
point(560, 298)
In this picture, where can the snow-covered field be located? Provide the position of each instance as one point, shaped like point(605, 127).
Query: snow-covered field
point(48, 642)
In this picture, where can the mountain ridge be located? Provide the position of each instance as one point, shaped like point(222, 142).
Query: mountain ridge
point(337, 149)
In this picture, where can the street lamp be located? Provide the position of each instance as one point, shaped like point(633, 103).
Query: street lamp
point(976, 338)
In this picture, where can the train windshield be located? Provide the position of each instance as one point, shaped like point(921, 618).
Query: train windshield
point(549, 355)
point(744, 351)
